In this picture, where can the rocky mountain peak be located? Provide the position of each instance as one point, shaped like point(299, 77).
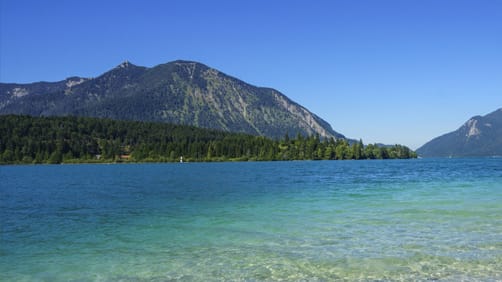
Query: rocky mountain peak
point(472, 128)
point(125, 64)
point(479, 136)
point(180, 92)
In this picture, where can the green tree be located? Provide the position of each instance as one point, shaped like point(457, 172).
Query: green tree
point(56, 157)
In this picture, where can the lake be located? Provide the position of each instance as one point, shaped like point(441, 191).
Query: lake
point(421, 219)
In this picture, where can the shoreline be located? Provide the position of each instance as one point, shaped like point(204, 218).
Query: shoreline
point(187, 162)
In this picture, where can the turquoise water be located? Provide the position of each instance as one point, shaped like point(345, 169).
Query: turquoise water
point(425, 219)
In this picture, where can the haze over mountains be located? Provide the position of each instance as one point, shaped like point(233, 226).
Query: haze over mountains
point(180, 92)
point(479, 136)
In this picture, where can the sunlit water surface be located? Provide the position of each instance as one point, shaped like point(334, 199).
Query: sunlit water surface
point(425, 219)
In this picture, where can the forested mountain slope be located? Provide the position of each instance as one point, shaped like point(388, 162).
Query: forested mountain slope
point(179, 92)
point(25, 139)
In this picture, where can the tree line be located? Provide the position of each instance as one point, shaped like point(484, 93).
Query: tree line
point(25, 139)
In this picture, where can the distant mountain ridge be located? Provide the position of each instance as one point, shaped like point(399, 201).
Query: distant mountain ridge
point(479, 136)
point(179, 92)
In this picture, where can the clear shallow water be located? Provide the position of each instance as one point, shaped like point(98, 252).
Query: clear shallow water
point(426, 219)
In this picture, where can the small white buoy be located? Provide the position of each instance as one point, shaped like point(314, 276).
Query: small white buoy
point(181, 159)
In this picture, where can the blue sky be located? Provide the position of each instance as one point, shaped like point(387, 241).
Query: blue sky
point(390, 71)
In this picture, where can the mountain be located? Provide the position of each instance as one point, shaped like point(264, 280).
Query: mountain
point(479, 136)
point(180, 92)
